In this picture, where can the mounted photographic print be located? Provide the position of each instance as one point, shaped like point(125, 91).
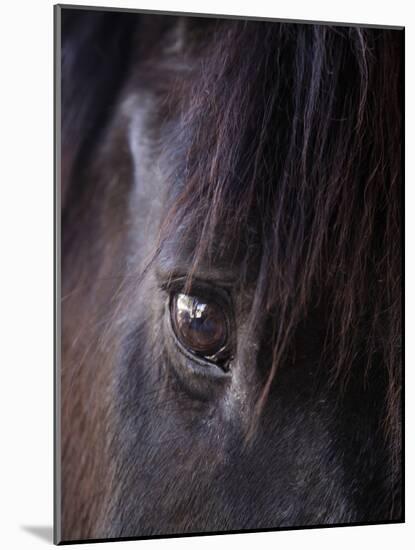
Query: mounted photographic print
point(229, 206)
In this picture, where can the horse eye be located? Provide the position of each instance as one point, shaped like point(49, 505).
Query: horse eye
point(200, 325)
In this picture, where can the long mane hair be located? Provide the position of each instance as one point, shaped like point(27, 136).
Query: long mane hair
point(296, 133)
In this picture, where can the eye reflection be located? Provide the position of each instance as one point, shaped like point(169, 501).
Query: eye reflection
point(200, 325)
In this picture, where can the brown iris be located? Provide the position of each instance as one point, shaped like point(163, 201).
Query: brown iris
point(200, 325)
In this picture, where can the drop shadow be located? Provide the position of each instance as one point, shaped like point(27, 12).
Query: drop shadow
point(44, 532)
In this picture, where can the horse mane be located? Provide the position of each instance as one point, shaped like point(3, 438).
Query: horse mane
point(292, 138)
point(294, 132)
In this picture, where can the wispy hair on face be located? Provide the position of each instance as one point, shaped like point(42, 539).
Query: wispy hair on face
point(293, 147)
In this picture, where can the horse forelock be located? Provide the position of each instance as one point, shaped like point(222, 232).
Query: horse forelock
point(292, 149)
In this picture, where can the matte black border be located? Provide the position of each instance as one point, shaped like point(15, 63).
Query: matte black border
point(57, 273)
point(403, 239)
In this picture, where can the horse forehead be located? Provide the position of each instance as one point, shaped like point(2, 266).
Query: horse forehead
point(229, 262)
point(158, 183)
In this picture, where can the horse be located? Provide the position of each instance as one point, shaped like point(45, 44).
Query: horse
point(231, 258)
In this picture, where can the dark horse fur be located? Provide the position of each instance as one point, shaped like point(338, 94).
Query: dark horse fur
point(259, 160)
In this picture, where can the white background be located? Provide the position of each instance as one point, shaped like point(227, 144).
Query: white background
point(26, 270)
